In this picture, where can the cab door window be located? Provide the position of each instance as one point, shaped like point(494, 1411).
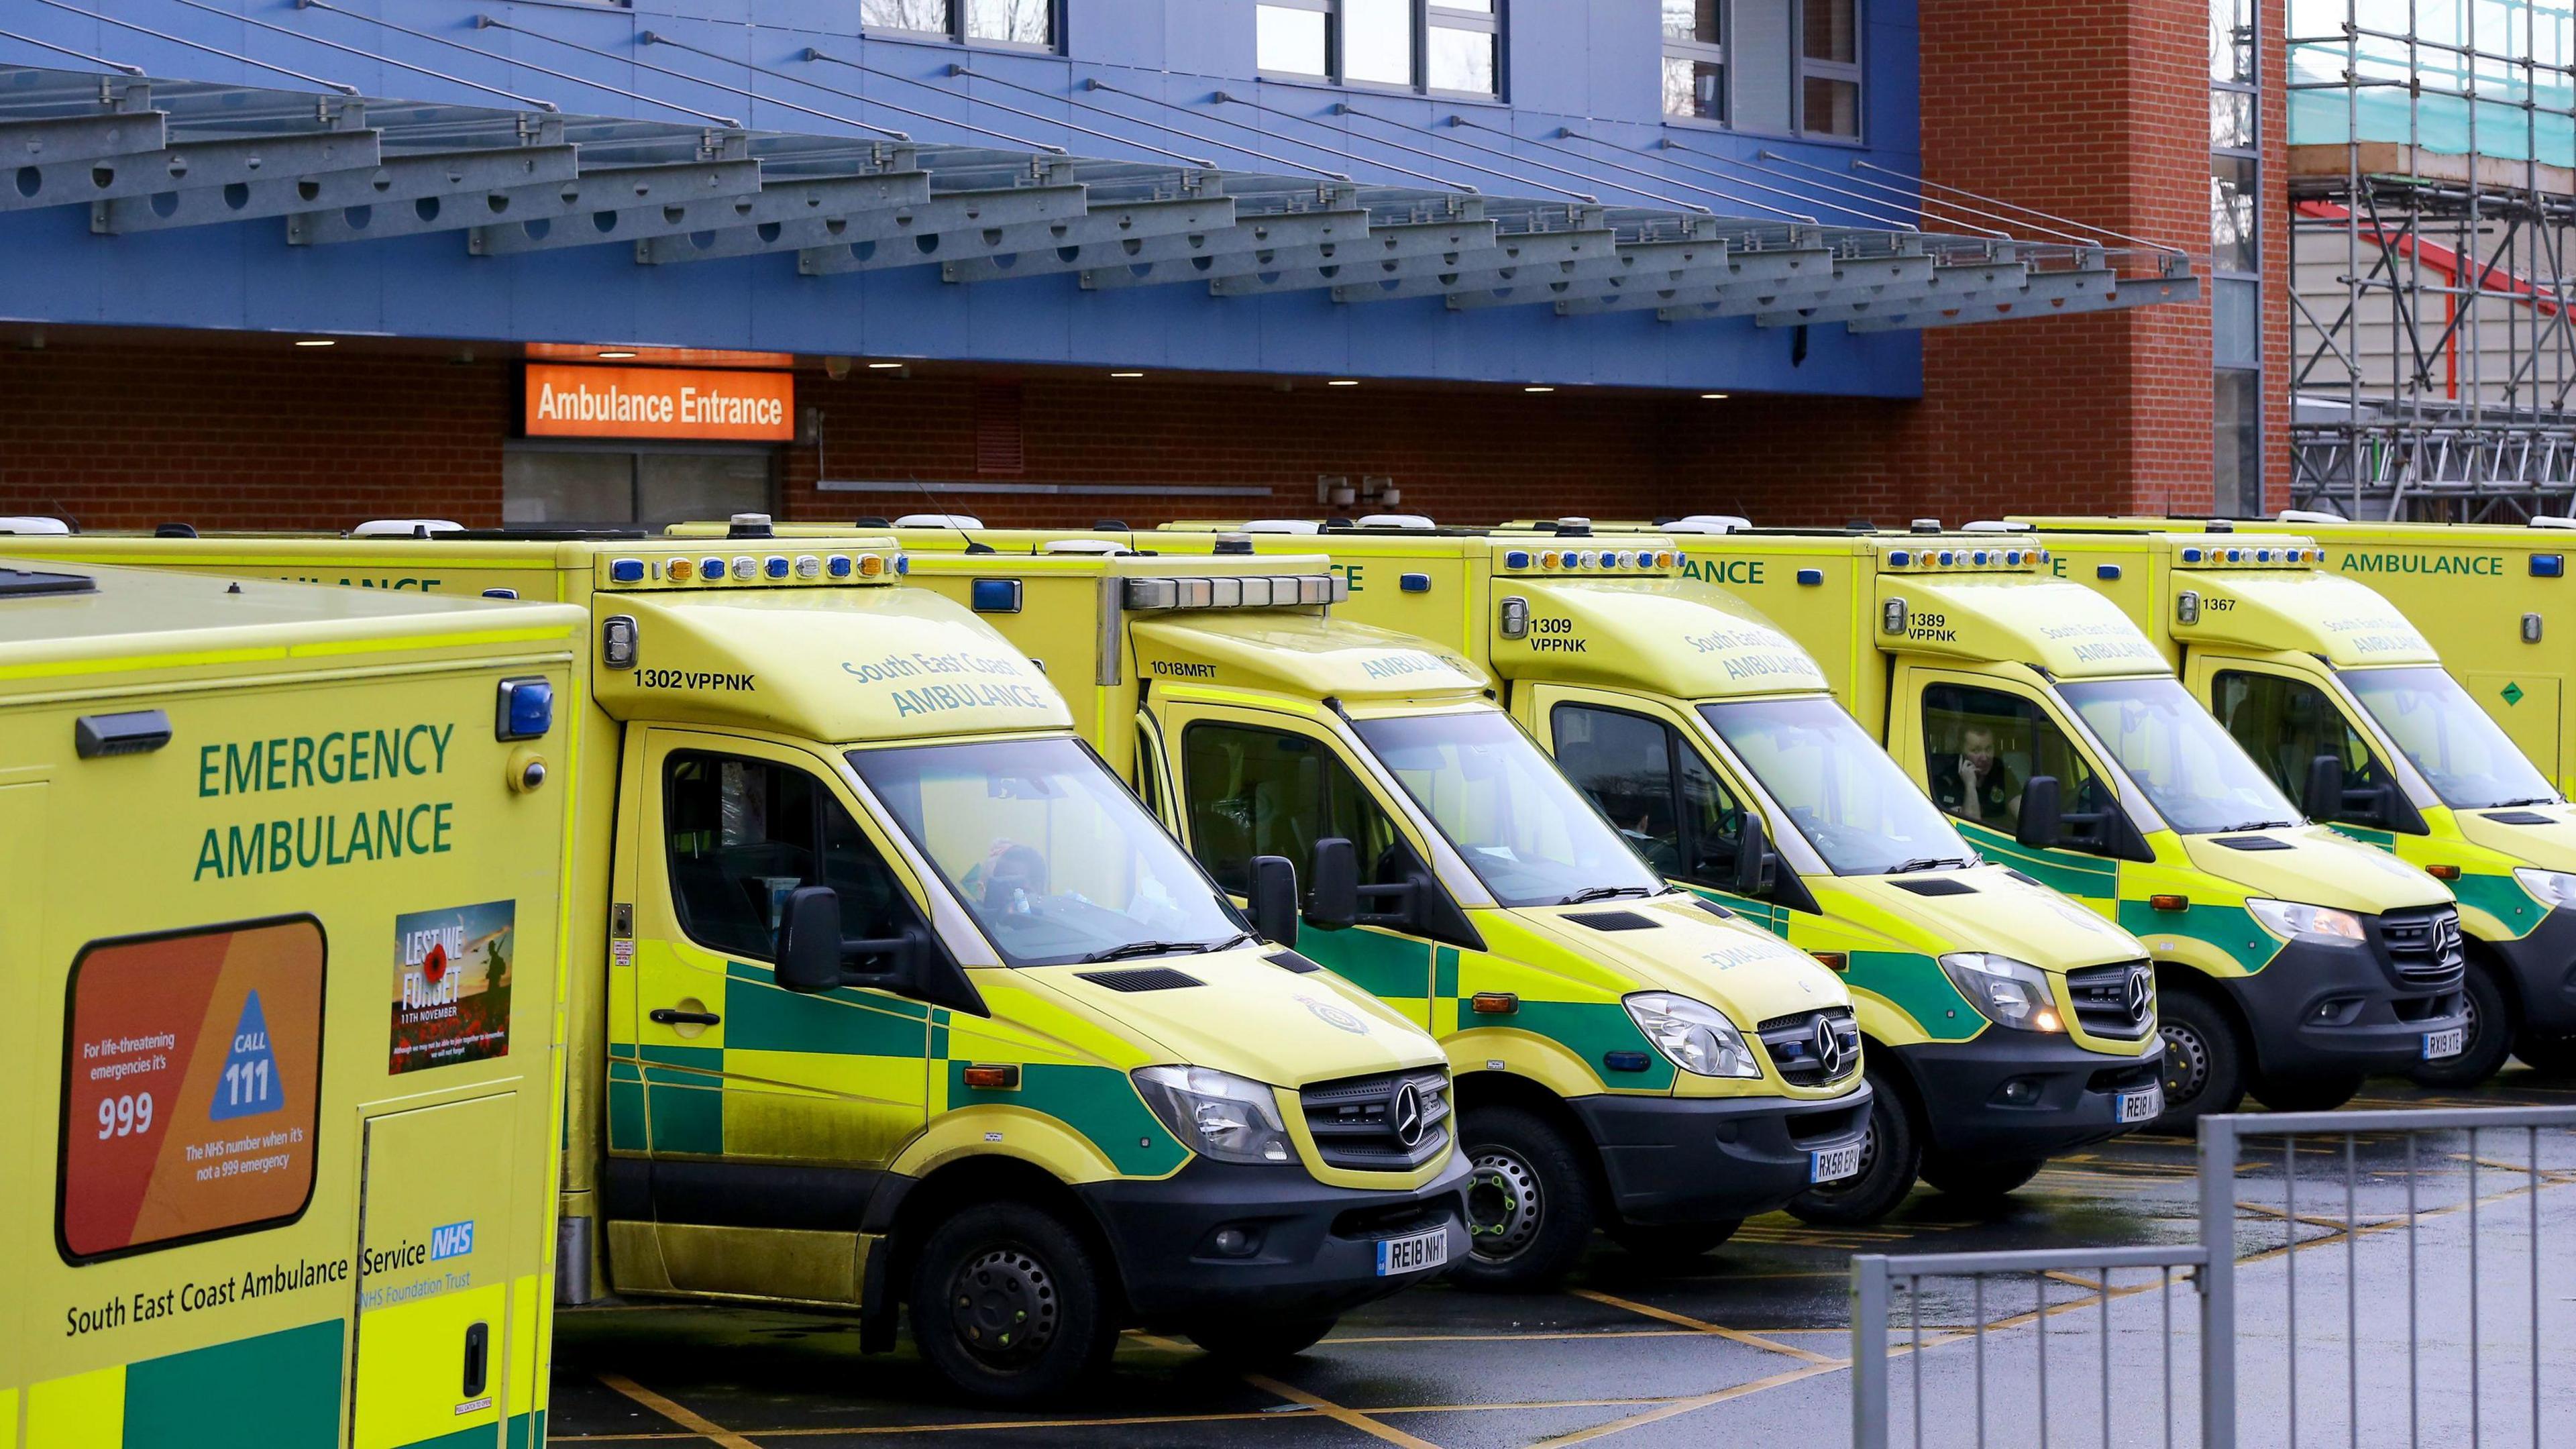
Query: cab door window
point(1655, 789)
point(745, 833)
point(2285, 723)
point(1981, 746)
point(1249, 791)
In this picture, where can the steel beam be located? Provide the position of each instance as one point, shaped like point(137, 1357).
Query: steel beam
point(156, 170)
point(2052, 294)
point(1708, 272)
point(74, 140)
point(1093, 224)
point(902, 205)
point(390, 182)
point(1262, 233)
point(1853, 279)
point(1594, 254)
point(1403, 249)
point(710, 201)
point(809, 206)
point(1366, 245)
point(600, 188)
point(1948, 287)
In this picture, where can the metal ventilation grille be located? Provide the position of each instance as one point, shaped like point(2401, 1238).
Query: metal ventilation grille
point(1360, 1123)
point(2105, 1004)
point(1614, 921)
point(2424, 945)
point(1797, 1046)
point(1937, 886)
point(1141, 978)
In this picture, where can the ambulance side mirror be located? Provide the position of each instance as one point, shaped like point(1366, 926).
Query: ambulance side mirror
point(1755, 865)
point(812, 952)
point(2043, 815)
point(1274, 899)
point(2324, 799)
point(1336, 901)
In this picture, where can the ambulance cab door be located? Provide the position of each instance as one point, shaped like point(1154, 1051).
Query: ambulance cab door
point(2285, 719)
point(1972, 740)
point(1255, 782)
point(1680, 810)
point(1153, 777)
point(764, 1108)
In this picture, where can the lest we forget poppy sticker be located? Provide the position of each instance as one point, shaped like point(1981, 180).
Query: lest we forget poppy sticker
point(452, 985)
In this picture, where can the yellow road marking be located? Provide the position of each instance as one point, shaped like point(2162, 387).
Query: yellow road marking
point(680, 1414)
point(1736, 1335)
point(1326, 1407)
point(1683, 1406)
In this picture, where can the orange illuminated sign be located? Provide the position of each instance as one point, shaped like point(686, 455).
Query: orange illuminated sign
point(660, 402)
point(655, 356)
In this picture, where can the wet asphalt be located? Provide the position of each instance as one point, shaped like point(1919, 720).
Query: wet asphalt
point(1751, 1344)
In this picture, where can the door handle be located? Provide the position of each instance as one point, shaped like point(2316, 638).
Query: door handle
point(673, 1016)
point(478, 1359)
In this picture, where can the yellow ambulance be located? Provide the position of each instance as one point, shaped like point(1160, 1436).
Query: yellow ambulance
point(2002, 1022)
point(2334, 668)
point(2291, 961)
point(280, 878)
point(1627, 1055)
point(890, 994)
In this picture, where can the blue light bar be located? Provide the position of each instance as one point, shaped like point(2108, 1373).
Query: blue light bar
point(527, 710)
point(994, 596)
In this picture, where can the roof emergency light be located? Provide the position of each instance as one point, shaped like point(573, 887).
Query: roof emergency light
point(1235, 592)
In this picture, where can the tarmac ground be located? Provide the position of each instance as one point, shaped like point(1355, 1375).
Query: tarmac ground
point(1750, 1345)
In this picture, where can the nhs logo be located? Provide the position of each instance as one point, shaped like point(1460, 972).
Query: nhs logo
point(452, 1241)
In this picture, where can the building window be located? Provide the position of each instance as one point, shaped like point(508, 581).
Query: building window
point(1782, 66)
point(552, 484)
point(2235, 260)
point(1449, 46)
point(973, 22)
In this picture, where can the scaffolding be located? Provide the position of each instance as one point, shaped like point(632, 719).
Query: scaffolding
point(2432, 200)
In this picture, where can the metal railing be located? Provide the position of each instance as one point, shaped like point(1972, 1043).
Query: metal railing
point(2367, 1157)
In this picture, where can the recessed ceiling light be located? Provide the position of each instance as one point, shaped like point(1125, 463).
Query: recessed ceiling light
point(1535, 388)
point(883, 366)
point(615, 353)
point(1713, 396)
point(1343, 382)
point(317, 341)
point(1126, 374)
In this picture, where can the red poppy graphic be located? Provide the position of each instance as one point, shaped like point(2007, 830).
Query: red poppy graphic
point(433, 966)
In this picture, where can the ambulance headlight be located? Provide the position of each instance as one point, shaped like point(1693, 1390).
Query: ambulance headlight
point(2555, 889)
point(2293, 918)
point(527, 710)
point(1697, 1037)
point(1217, 1114)
point(2004, 991)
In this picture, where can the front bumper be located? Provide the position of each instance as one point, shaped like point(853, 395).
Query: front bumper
point(1315, 1249)
point(2543, 967)
point(2326, 1006)
point(2074, 1100)
point(1706, 1159)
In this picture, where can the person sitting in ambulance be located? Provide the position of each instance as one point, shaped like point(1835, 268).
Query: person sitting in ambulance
point(1011, 879)
point(1975, 785)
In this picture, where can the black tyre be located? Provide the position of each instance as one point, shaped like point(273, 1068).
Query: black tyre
point(2308, 1094)
point(2551, 1056)
point(2206, 1059)
point(1530, 1202)
point(1979, 1179)
point(1255, 1342)
point(2486, 1043)
point(1009, 1304)
point(1672, 1242)
point(1890, 1157)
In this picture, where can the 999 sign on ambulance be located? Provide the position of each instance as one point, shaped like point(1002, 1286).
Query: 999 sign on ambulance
point(281, 922)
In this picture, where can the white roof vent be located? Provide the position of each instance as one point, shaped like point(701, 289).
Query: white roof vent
point(30, 525)
point(1709, 523)
point(1283, 525)
point(1994, 525)
point(405, 528)
point(1413, 521)
point(939, 520)
point(2552, 520)
point(2309, 515)
point(1098, 546)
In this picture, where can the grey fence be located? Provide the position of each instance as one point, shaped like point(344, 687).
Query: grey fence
point(2450, 1203)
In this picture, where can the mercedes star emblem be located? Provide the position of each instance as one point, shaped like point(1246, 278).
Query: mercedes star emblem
point(1404, 1114)
point(2141, 992)
point(1829, 1047)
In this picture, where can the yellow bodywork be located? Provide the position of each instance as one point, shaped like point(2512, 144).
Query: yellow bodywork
point(260, 1219)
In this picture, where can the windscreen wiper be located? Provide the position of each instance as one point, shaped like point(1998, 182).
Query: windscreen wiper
point(1147, 948)
point(2257, 825)
point(1603, 893)
point(1930, 862)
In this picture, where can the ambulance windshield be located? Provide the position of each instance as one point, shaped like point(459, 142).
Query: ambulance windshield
point(1053, 857)
point(1529, 835)
point(2462, 753)
point(1851, 802)
point(2192, 770)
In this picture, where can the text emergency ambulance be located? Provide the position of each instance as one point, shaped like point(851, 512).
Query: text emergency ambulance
point(2003, 1022)
point(2291, 961)
point(2464, 793)
point(281, 920)
point(889, 993)
point(1609, 1034)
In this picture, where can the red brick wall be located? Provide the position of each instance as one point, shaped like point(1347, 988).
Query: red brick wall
point(135, 436)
